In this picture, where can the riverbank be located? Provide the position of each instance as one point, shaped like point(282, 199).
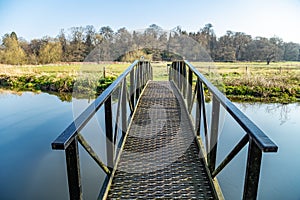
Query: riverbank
point(88, 79)
point(256, 82)
point(243, 82)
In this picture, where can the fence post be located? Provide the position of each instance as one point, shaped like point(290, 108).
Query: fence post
point(213, 142)
point(252, 170)
point(109, 133)
point(73, 170)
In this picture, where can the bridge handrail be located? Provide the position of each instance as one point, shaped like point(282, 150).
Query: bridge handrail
point(65, 138)
point(262, 140)
point(140, 73)
point(258, 141)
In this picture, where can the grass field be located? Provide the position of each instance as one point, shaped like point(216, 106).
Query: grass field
point(248, 81)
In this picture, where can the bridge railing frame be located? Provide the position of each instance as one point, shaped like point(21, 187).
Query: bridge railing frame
point(182, 74)
point(140, 73)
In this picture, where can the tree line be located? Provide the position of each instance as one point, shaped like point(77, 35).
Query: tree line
point(85, 43)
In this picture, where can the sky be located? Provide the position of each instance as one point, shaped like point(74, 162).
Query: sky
point(267, 18)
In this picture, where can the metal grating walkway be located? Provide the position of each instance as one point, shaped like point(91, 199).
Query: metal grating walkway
point(160, 158)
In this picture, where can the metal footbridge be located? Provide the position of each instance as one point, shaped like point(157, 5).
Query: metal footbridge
point(159, 144)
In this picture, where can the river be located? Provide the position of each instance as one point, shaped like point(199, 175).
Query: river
point(30, 169)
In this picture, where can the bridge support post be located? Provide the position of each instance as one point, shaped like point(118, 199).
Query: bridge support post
point(252, 171)
point(131, 89)
point(123, 107)
point(180, 75)
point(189, 89)
point(184, 79)
point(213, 142)
point(73, 170)
point(198, 108)
point(109, 133)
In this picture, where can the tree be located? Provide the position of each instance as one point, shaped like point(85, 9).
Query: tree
point(240, 42)
point(207, 39)
point(12, 52)
point(225, 50)
point(50, 52)
point(64, 44)
point(123, 42)
point(76, 50)
point(89, 40)
point(106, 32)
point(262, 49)
point(291, 51)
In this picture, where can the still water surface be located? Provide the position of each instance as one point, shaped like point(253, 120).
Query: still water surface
point(30, 169)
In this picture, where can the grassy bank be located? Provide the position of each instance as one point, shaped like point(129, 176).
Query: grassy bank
point(86, 79)
point(241, 81)
point(278, 82)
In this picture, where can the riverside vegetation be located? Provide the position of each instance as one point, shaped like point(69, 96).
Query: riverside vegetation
point(254, 81)
point(240, 81)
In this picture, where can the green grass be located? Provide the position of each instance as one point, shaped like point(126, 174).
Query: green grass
point(255, 81)
point(247, 81)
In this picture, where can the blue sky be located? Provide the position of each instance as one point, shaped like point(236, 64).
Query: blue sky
point(37, 18)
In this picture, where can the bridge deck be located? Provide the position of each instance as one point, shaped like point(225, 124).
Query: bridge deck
point(161, 158)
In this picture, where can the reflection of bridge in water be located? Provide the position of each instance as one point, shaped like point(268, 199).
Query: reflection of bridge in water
point(154, 148)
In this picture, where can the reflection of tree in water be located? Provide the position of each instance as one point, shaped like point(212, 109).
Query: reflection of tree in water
point(283, 110)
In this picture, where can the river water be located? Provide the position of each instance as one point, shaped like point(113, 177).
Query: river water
point(30, 169)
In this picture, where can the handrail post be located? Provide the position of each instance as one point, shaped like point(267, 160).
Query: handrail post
point(252, 170)
point(173, 71)
point(177, 73)
point(73, 170)
point(170, 73)
point(198, 108)
point(137, 80)
point(109, 133)
point(123, 108)
point(189, 88)
point(184, 79)
point(131, 89)
point(213, 142)
point(180, 74)
point(142, 68)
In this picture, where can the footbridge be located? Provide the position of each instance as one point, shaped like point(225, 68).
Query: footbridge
point(159, 144)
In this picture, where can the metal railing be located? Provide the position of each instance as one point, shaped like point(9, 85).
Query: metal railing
point(182, 74)
point(139, 73)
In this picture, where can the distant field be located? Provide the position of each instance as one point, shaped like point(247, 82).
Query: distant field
point(246, 81)
point(160, 69)
point(72, 70)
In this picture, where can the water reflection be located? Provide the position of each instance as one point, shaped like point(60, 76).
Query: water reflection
point(280, 177)
point(282, 110)
point(30, 169)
